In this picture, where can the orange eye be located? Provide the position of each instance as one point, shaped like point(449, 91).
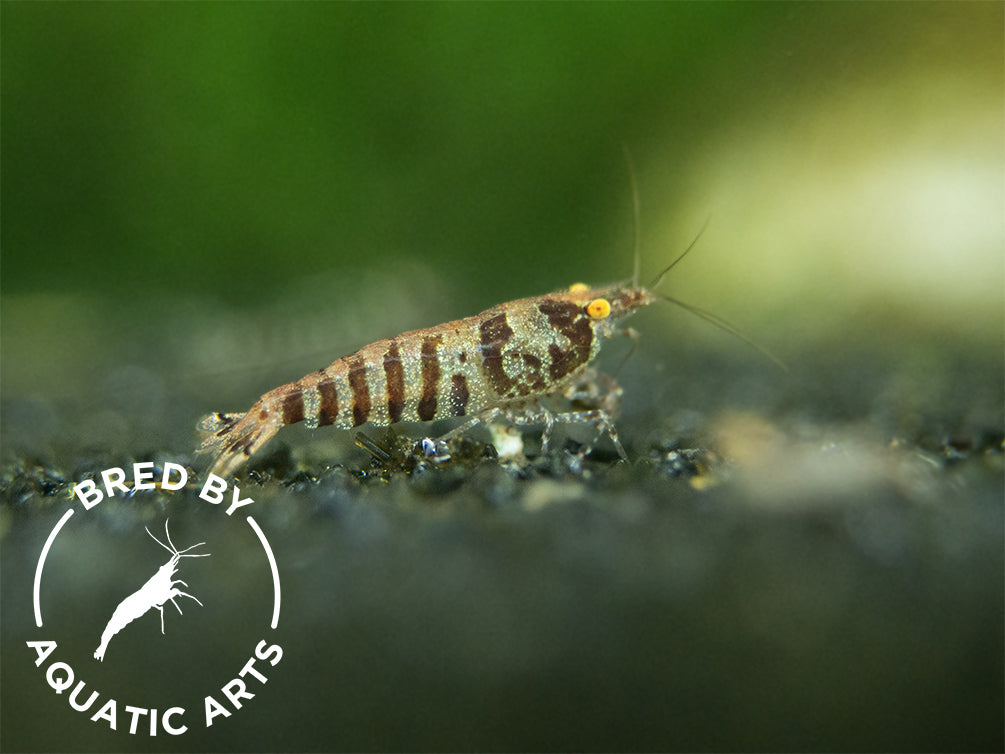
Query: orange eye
point(579, 288)
point(599, 308)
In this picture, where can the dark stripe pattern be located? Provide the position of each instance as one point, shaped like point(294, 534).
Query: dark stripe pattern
point(458, 394)
point(360, 391)
point(495, 333)
point(430, 377)
point(328, 411)
point(395, 374)
point(293, 407)
point(570, 320)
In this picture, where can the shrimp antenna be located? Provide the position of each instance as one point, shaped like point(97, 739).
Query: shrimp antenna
point(168, 535)
point(717, 321)
point(633, 183)
point(632, 334)
point(169, 549)
point(659, 278)
point(172, 549)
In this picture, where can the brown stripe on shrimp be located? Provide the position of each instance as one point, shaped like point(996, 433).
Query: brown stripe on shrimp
point(293, 407)
point(494, 334)
point(327, 411)
point(395, 375)
point(458, 394)
point(360, 391)
point(430, 377)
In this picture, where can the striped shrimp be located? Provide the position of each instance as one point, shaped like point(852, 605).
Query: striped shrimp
point(506, 362)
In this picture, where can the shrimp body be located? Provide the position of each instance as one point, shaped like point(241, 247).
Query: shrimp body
point(499, 362)
point(157, 590)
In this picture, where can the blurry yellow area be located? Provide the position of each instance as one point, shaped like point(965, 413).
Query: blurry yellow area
point(877, 202)
point(820, 467)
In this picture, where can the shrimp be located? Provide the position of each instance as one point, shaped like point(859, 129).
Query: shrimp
point(508, 361)
point(498, 363)
point(158, 589)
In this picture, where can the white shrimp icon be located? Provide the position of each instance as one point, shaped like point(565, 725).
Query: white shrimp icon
point(159, 589)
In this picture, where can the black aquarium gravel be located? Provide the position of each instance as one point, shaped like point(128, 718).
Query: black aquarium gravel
point(775, 581)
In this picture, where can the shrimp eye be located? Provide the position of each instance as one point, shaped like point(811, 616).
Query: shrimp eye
point(599, 308)
point(579, 288)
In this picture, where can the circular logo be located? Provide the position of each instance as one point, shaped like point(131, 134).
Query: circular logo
point(151, 600)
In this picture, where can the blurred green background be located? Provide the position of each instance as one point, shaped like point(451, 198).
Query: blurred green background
point(229, 151)
point(214, 187)
point(201, 201)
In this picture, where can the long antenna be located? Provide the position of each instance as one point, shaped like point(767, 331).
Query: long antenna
point(169, 549)
point(659, 278)
point(712, 319)
point(635, 213)
point(717, 321)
